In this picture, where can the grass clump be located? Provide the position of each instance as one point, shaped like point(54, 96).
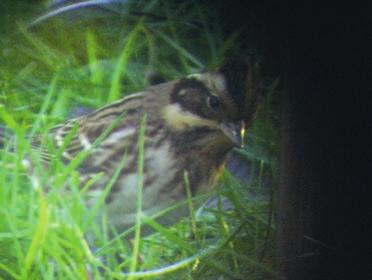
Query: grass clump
point(53, 70)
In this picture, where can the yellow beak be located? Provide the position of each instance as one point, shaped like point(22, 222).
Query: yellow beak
point(235, 132)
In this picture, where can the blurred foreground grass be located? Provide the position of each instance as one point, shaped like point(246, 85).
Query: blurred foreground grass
point(65, 65)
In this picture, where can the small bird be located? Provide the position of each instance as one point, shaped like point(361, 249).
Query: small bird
point(188, 127)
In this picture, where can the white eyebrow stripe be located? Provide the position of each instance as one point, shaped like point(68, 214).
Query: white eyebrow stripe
point(219, 82)
point(213, 81)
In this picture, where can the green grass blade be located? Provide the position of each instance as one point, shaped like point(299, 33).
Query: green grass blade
point(140, 165)
point(39, 236)
point(128, 50)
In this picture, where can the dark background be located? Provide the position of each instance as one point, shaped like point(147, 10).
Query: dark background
point(320, 54)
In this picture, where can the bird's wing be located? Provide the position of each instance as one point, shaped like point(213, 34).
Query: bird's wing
point(114, 124)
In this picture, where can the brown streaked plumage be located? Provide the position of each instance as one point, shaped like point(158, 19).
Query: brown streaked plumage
point(191, 125)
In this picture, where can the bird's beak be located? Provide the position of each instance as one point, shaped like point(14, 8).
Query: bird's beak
point(235, 132)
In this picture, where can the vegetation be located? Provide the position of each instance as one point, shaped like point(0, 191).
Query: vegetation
point(67, 64)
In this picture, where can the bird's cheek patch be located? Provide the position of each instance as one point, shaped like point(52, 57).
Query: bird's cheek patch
point(179, 119)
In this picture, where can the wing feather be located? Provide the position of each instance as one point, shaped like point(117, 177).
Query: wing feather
point(84, 133)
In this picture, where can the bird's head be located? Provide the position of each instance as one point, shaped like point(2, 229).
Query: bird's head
point(223, 100)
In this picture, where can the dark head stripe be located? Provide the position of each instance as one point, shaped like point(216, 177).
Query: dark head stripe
point(186, 83)
point(235, 73)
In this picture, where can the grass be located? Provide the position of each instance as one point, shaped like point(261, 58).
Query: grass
point(45, 76)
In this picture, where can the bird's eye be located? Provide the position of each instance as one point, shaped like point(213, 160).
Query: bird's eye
point(213, 101)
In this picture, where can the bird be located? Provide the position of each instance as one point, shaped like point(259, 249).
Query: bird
point(186, 126)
